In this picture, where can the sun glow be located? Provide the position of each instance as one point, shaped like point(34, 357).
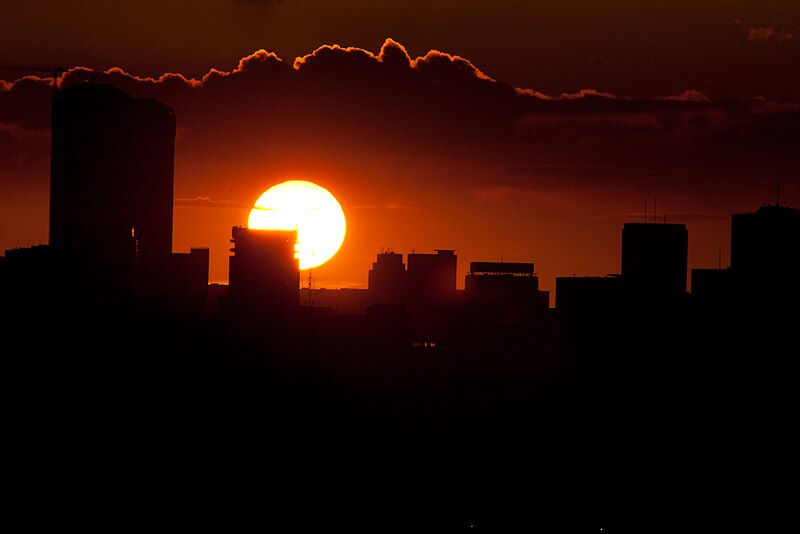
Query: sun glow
point(309, 208)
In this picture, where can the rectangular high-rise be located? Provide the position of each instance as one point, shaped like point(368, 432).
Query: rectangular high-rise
point(765, 253)
point(431, 278)
point(767, 242)
point(264, 272)
point(501, 285)
point(111, 181)
point(387, 279)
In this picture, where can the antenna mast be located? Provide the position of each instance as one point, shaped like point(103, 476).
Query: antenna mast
point(655, 199)
point(645, 208)
point(309, 300)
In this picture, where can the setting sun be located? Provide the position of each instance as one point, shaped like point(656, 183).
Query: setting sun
point(307, 207)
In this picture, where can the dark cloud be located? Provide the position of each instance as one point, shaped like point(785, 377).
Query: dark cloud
point(771, 33)
point(690, 95)
point(26, 102)
point(344, 99)
point(394, 55)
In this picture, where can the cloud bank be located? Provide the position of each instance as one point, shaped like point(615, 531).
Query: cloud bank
point(388, 130)
point(344, 102)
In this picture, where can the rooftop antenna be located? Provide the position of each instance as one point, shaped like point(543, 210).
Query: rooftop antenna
point(309, 301)
point(654, 208)
point(645, 208)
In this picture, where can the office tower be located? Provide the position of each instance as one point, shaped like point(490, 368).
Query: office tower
point(387, 279)
point(654, 261)
point(111, 184)
point(431, 278)
point(765, 245)
point(264, 272)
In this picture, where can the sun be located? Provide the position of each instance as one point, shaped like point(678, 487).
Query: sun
point(309, 208)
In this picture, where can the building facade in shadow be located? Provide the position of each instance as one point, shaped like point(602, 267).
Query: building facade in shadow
point(654, 261)
point(765, 250)
point(111, 187)
point(264, 273)
point(387, 279)
point(431, 278)
point(500, 285)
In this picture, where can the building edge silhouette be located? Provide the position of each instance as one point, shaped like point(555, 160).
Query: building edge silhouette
point(410, 384)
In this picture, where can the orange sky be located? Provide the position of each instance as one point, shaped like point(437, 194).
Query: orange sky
point(430, 152)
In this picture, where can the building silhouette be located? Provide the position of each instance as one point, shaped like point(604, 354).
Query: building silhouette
point(111, 185)
point(431, 278)
point(406, 375)
point(765, 260)
point(264, 273)
point(339, 301)
point(589, 309)
point(712, 287)
point(765, 249)
point(501, 285)
point(188, 293)
point(29, 280)
point(654, 261)
point(387, 279)
point(430, 293)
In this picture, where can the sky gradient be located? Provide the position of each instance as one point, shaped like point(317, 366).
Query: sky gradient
point(533, 134)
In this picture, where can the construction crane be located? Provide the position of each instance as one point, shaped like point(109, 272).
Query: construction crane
point(55, 72)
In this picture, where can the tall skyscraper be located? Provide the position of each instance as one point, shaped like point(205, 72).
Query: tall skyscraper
point(111, 183)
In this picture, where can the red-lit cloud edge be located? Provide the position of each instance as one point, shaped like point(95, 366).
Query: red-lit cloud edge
point(386, 101)
point(391, 50)
point(416, 135)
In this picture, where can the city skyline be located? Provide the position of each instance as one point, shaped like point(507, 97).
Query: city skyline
point(454, 158)
point(566, 296)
